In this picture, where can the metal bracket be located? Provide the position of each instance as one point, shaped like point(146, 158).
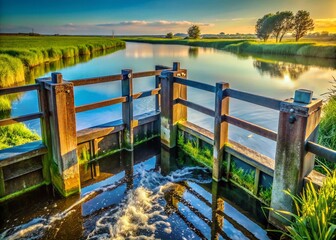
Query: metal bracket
point(295, 109)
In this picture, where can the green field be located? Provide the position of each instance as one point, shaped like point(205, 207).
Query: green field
point(19, 52)
point(305, 49)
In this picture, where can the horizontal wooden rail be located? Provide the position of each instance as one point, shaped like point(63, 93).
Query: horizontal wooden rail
point(13, 120)
point(255, 99)
point(101, 104)
point(26, 88)
point(87, 81)
point(147, 74)
point(264, 132)
point(146, 93)
point(321, 151)
point(194, 84)
point(196, 107)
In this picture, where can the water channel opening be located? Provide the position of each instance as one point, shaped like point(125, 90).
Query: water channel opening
point(137, 195)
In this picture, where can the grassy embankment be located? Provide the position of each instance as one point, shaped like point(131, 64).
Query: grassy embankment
point(20, 53)
point(304, 49)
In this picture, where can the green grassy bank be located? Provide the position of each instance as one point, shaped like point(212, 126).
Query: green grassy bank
point(304, 49)
point(18, 52)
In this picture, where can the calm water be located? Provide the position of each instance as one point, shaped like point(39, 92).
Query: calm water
point(143, 203)
point(263, 75)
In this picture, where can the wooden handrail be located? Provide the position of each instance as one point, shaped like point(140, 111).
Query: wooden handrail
point(321, 151)
point(195, 106)
point(253, 98)
point(195, 84)
point(101, 104)
point(147, 74)
point(264, 132)
point(13, 120)
point(87, 81)
point(26, 88)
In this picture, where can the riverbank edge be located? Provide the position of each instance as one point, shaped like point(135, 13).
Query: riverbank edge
point(303, 49)
point(14, 61)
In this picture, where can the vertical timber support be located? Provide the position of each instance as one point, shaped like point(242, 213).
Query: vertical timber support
point(64, 167)
point(157, 85)
point(298, 122)
point(172, 113)
point(127, 108)
point(45, 127)
point(217, 206)
point(221, 130)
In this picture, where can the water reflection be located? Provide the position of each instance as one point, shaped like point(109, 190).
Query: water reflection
point(286, 71)
point(193, 52)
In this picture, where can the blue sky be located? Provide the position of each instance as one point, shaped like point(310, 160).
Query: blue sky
point(151, 16)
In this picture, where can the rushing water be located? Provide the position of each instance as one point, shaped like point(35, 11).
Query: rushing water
point(133, 199)
point(271, 76)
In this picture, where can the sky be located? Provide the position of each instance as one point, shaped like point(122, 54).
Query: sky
point(136, 17)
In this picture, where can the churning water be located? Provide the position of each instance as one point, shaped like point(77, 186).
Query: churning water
point(138, 204)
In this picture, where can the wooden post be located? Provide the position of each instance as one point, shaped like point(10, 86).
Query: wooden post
point(45, 127)
point(64, 166)
point(221, 130)
point(298, 123)
point(157, 85)
point(2, 184)
point(127, 108)
point(171, 113)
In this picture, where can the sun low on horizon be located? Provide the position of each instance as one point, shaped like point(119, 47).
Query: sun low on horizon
point(133, 17)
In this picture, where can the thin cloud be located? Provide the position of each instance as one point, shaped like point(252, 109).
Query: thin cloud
point(328, 24)
point(157, 23)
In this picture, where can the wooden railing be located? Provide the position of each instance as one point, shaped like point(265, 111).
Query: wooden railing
point(295, 137)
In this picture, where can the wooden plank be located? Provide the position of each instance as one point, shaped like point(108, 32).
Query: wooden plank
point(251, 157)
point(321, 151)
point(91, 133)
point(256, 182)
point(316, 178)
point(253, 98)
point(147, 117)
point(104, 79)
point(21, 171)
point(13, 120)
point(195, 106)
point(195, 84)
point(26, 88)
point(264, 132)
point(146, 93)
point(197, 131)
point(146, 74)
point(101, 104)
point(20, 153)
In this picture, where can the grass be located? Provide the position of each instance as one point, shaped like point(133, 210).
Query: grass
point(265, 193)
point(18, 52)
point(16, 134)
point(327, 129)
point(191, 148)
point(316, 212)
point(305, 49)
point(242, 177)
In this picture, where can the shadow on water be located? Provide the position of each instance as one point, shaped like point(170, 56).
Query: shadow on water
point(139, 194)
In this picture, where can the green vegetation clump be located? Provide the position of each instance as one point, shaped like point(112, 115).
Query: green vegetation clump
point(265, 193)
point(191, 148)
point(316, 212)
point(16, 134)
point(242, 177)
point(327, 129)
point(11, 71)
point(18, 52)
